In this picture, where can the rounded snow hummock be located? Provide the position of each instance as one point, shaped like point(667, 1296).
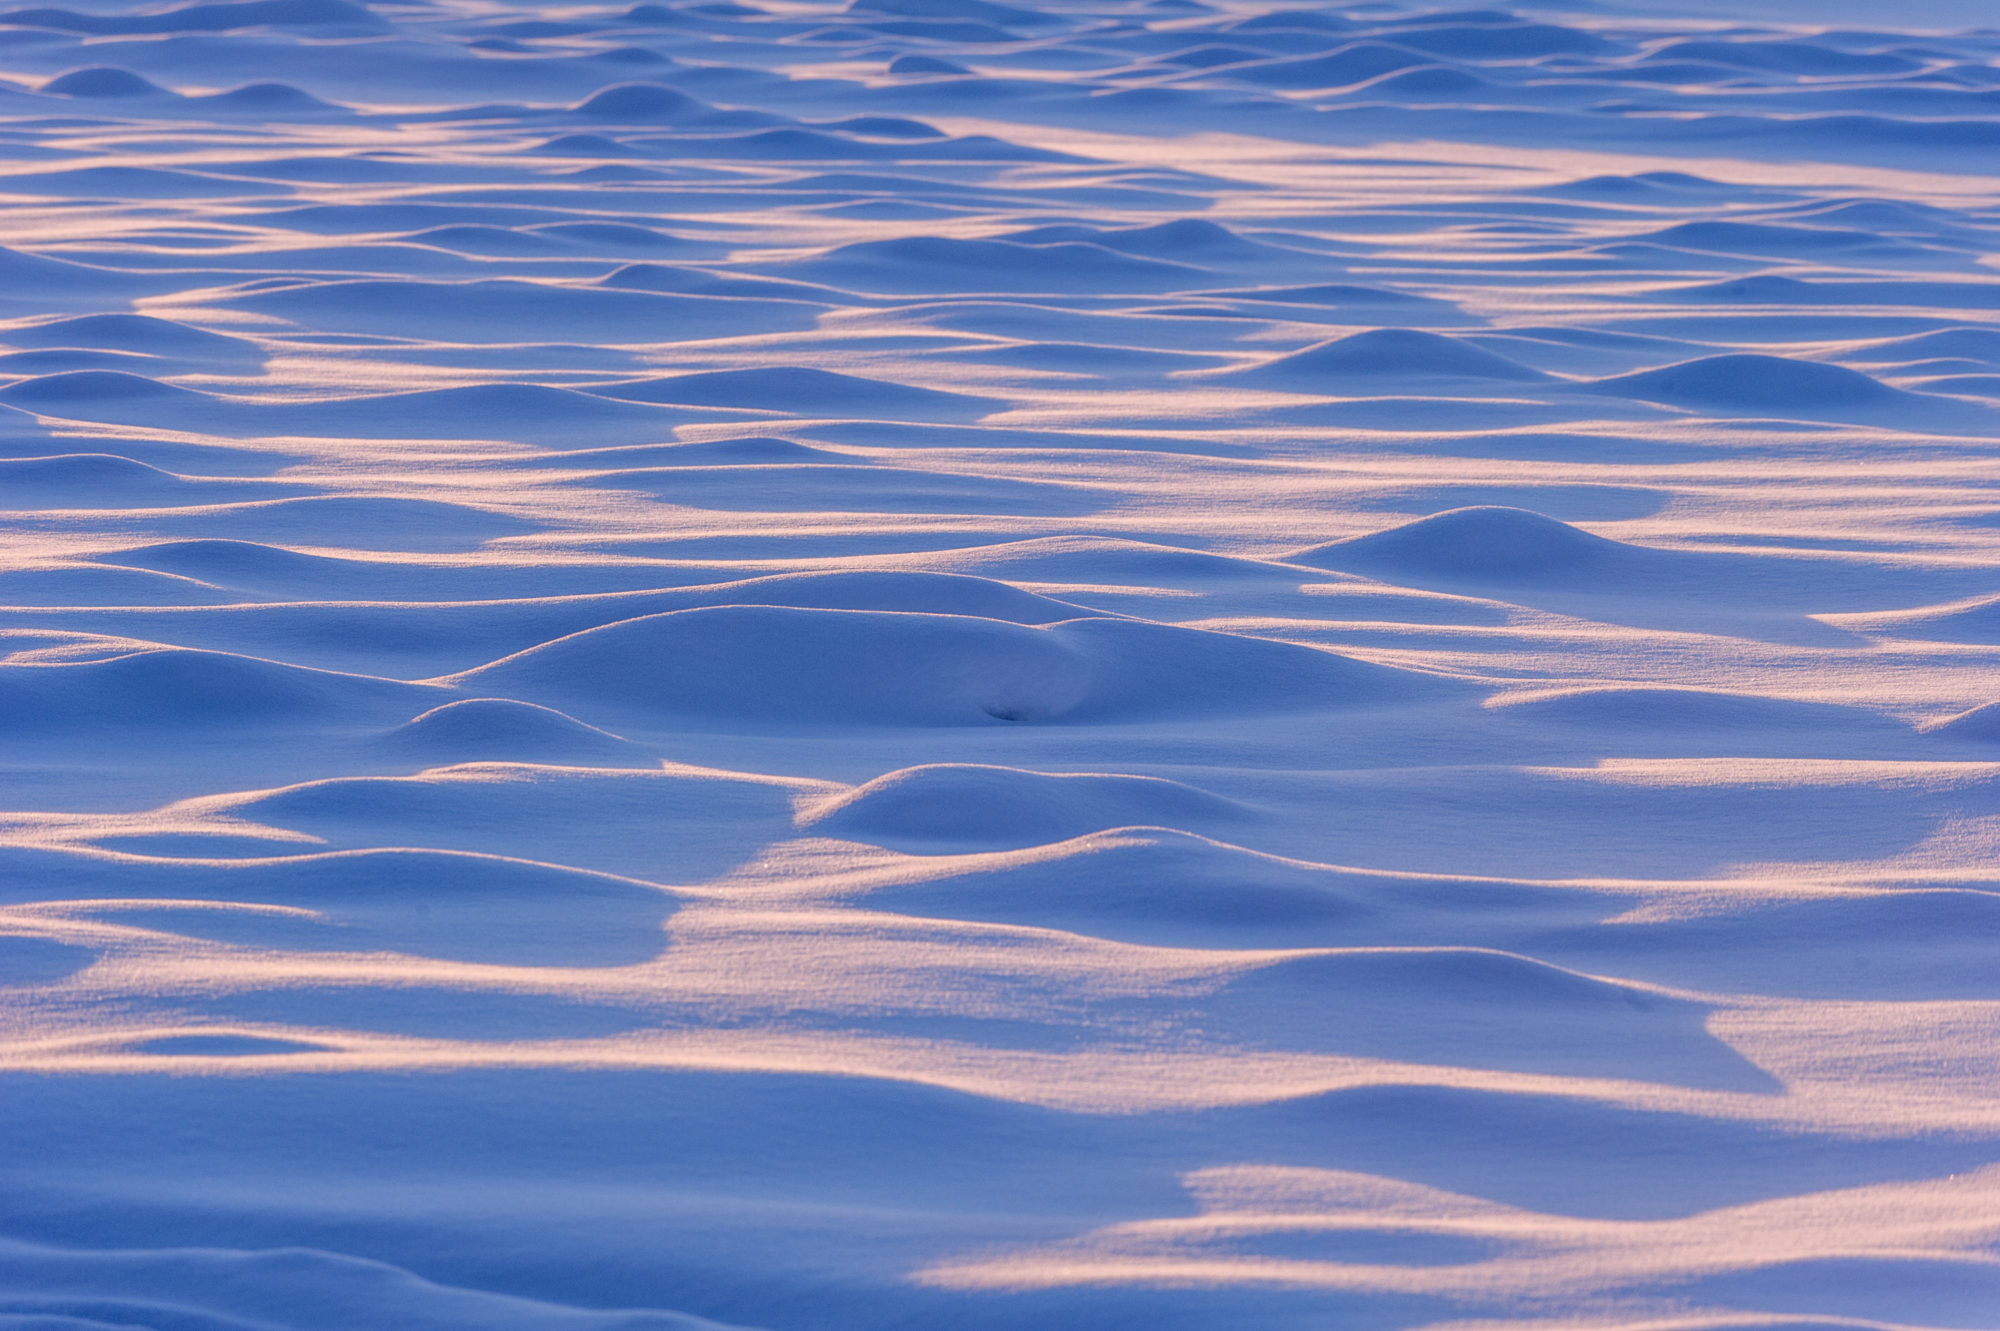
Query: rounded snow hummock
point(768, 666)
point(102, 81)
point(1485, 542)
point(496, 729)
point(969, 804)
point(1151, 885)
point(183, 688)
point(1756, 383)
point(785, 666)
point(1366, 359)
point(641, 101)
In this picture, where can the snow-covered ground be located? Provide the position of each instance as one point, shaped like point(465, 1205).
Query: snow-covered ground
point(947, 664)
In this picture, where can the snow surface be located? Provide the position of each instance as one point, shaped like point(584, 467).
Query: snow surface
point(1158, 664)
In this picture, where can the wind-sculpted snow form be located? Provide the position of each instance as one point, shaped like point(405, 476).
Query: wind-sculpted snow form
point(961, 664)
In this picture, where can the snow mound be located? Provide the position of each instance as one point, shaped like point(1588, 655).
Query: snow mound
point(223, 1046)
point(1486, 542)
point(755, 450)
point(31, 961)
point(292, 1288)
point(1190, 240)
point(1743, 382)
point(1353, 63)
point(131, 332)
point(915, 66)
point(499, 310)
point(1972, 621)
point(969, 805)
point(767, 665)
point(181, 689)
point(86, 392)
point(243, 565)
point(91, 584)
point(275, 100)
point(642, 103)
point(763, 666)
point(429, 903)
point(1761, 239)
point(940, 263)
point(1383, 356)
point(1144, 884)
point(105, 82)
point(47, 283)
point(801, 392)
point(96, 476)
point(1479, 1008)
point(1980, 723)
point(1672, 709)
point(1975, 344)
point(492, 729)
point(891, 590)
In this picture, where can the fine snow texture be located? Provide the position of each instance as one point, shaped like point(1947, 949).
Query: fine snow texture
point(1103, 664)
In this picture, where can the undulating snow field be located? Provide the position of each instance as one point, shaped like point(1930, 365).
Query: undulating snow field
point(932, 664)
